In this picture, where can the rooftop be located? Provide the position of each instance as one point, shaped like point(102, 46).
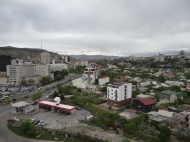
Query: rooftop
point(168, 92)
point(145, 101)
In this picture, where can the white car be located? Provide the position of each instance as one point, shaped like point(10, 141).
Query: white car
point(16, 119)
point(88, 118)
point(43, 124)
point(41, 121)
point(33, 120)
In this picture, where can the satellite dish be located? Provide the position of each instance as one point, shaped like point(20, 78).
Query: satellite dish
point(57, 100)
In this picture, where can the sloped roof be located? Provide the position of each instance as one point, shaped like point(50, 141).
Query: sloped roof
point(168, 92)
point(165, 113)
point(179, 94)
point(145, 101)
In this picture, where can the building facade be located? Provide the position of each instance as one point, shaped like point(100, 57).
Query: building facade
point(91, 72)
point(45, 58)
point(118, 93)
point(17, 73)
point(4, 60)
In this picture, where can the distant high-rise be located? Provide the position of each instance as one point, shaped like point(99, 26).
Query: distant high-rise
point(45, 58)
point(4, 60)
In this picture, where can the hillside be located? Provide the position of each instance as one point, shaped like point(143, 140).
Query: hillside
point(84, 56)
point(23, 52)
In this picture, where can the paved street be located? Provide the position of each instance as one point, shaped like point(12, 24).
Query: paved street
point(8, 136)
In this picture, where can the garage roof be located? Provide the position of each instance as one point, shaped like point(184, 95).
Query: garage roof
point(20, 104)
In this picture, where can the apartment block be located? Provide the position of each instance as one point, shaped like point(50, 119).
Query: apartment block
point(118, 93)
point(45, 58)
point(17, 73)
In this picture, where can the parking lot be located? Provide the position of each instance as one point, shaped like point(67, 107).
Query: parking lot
point(69, 123)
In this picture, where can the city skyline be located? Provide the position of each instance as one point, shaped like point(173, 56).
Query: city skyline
point(118, 28)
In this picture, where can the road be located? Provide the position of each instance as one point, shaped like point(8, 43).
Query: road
point(8, 136)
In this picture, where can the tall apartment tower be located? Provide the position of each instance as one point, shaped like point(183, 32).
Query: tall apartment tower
point(45, 58)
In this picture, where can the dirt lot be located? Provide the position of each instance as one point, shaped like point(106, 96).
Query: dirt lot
point(69, 123)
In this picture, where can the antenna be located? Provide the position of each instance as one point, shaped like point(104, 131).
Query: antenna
point(41, 44)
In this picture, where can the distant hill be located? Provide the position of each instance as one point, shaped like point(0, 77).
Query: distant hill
point(23, 52)
point(84, 56)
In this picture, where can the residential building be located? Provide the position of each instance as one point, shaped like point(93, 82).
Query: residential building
point(17, 73)
point(160, 58)
point(143, 104)
point(165, 114)
point(91, 72)
point(81, 82)
point(174, 83)
point(4, 60)
point(170, 95)
point(118, 93)
point(103, 80)
point(45, 58)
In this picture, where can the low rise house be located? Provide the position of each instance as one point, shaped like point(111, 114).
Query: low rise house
point(176, 83)
point(165, 114)
point(170, 95)
point(143, 104)
point(103, 80)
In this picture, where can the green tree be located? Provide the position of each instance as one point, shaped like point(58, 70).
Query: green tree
point(161, 78)
point(36, 96)
point(45, 80)
point(59, 76)
point(31, 81)
point(175, 88)
point(23, 82)
point(27, 128)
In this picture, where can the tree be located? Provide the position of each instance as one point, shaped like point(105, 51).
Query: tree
point(36, 96)
point(175, 88)
point(58, 77)
point(31, 81)
point(27, 128)
point(45, 80)
point(23, 82)
point(161, 78)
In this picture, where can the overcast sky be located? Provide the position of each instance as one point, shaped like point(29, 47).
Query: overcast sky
point(108, 27)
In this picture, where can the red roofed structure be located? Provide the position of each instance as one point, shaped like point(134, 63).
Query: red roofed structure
point(143, 104)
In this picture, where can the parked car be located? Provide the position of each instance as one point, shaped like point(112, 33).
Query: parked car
point(16, 119)
point(78, 108)
point(33, 120)
point(36, 122)
point(5, 97)
point(43, 124)
point(88, 118)
point(47, 97)
point(41, 121)
point(34, 103)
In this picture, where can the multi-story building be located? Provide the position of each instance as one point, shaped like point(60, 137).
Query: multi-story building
point(4, 60)
point(17, 73)
point(91, 72)
point(45, 58)
point(118, 93)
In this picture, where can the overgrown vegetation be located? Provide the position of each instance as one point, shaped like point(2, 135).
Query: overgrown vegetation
point(27, 129)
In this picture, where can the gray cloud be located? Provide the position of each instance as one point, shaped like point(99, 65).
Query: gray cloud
point(103, 27)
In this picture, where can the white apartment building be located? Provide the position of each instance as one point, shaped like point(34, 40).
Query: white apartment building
point(45, 58)
point(58, 67)
point(103, 80)
point(17, 73)
point(80, 82)
point(118, 93)
point(91, 72)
